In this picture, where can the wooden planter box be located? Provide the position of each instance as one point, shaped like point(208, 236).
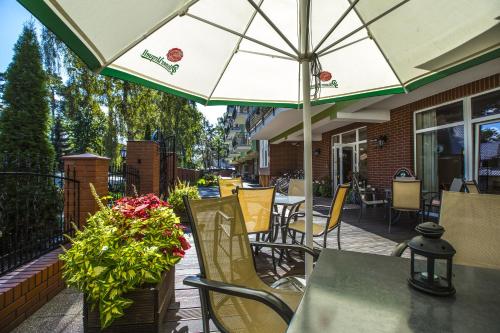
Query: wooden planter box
point(146, 314)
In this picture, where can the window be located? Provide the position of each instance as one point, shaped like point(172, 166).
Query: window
point(264, 153)
point(440, 157)
point(440, 116)
point(486, 105)
point(459, 139)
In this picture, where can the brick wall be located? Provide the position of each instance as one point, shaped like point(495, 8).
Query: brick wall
point(382, 162)
point(25, 290)
point(398, 151)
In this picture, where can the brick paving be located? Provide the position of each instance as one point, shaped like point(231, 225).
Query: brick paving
point(64, 312)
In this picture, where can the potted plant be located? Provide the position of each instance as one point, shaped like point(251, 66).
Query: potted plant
point(123, 261)
point(175, 199)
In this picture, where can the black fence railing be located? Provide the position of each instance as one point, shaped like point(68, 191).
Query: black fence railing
point(123, 180)
point(37, 208)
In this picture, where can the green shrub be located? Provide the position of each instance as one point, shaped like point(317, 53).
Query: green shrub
point(122, 248)
point(181, 189)
point(208, 179)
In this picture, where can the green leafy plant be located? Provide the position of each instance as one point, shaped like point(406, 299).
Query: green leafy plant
point(121, 248)
point(208, 179)
point(181, 189)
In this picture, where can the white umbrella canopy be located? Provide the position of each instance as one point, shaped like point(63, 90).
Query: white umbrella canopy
point(256, 52)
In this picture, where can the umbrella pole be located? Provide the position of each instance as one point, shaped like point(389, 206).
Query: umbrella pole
point(306, 114)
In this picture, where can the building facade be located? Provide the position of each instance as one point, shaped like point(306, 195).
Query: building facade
point(449, 128)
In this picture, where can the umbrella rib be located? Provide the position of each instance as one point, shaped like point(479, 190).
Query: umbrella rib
point(344, 46)
point(362, 27)
point(275, 28)
point(243, 36)
point(232, 54)
point(266, 54)
point(381, 51)
point(335, 25)
point(148, 33)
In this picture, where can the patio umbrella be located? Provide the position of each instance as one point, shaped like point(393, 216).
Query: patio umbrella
point(277, 52)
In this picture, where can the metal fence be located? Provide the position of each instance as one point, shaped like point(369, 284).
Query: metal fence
point(37, 208)
point(123, 180)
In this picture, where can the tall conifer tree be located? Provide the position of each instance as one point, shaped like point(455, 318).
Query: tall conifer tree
point(24, 123)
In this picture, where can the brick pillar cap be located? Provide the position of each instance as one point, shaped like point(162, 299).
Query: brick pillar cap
point(148, 141)
point(87, 156)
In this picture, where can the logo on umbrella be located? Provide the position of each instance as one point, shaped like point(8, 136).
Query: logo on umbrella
point(175, 55)
point(325, 76)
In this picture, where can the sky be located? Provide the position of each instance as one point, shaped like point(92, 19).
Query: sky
point(12, 18)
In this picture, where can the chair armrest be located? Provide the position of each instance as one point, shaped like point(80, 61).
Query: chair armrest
point(302, 214)
point(399, 249)
point(297, 247)
point(321, 206)
point(280, 307)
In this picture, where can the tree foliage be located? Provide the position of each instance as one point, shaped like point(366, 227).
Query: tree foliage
point(24, 124)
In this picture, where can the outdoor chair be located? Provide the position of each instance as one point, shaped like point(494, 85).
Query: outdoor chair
point(332, 220)
point(472, 228)
point(257, 207)
point(406, 197)
point(231, 293)
point(296, 187)
point(228, 186)
point(364, 197)
point(434, 198)
point(471, 187)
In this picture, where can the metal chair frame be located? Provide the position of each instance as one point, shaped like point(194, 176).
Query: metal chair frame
point(294, 216)
point(205, 285)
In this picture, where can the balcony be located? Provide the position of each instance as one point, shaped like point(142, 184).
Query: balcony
point(257, 116)
point(241, 143)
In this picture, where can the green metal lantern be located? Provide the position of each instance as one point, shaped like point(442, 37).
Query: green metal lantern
point(431, 261)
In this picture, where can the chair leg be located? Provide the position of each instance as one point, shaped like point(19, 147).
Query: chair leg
point(360, 212)
point(390, 219)
point(302, 239)
point(338, 237)
point(205, 318)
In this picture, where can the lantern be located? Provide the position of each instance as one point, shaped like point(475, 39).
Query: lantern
point(433, 273)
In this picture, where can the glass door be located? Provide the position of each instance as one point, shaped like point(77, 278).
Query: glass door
point(487, 156)
point(344, 163)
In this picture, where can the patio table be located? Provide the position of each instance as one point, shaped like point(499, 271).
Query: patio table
point(289, 203)
point(358, 292)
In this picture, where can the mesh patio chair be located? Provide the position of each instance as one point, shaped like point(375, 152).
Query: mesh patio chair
point(471, 226)
point(406, 197)
point(333, 219)
point(434, 198)
point(471, 187)
point(228, 186)
point(231, 293)
point(296, 187)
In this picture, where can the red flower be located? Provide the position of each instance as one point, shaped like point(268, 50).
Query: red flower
point(138, 207)
point(175, 55)
point(184, 243)
point(325, 76)
point(178, 252)
point(167, 233)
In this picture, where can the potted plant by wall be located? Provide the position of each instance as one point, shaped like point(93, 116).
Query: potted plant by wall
point(180, 190)
point(124, 263)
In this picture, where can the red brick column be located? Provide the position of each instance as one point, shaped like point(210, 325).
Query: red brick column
point(145, 157)
point(87, 169)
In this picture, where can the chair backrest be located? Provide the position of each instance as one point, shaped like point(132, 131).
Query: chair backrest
point(257, 208)
point(407, 194)
point(296, 187)
point(337, 206)
point(226, 186)
point(223, 250)
point(471, 226)
point(456, 185)
point(471, 187)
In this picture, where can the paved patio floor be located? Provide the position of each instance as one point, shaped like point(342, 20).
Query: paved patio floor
point(64, 312)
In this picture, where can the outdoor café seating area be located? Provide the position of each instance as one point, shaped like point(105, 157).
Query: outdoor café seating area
point(246, 268)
